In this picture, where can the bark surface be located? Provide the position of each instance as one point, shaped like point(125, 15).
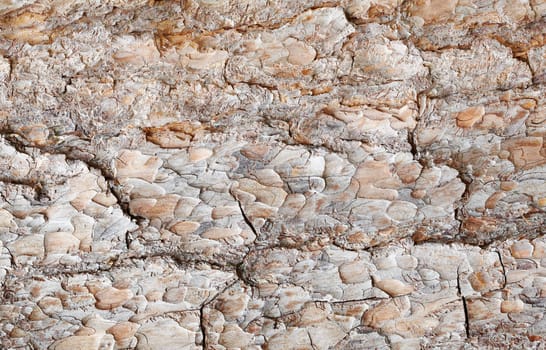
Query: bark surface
point(280, 174)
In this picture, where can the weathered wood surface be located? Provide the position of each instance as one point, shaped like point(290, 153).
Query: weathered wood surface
point(219, 174)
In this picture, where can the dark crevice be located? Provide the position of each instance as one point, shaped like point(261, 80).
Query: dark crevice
point(465, 307)
point(460, 210)
point(181, 260)
point(28, 182)
point(240, 267)
point(413, 145)
point(246, 219)
point(83, 268)
point(184, 260)
point(11, 256)
point(202, 327)
point(240, 270)
point(128, 240)
point(503, 268)
point(313, 346)
point(350, 300)
point(466, 318)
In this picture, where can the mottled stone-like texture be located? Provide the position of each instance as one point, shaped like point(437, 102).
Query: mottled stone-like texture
point(216, 174)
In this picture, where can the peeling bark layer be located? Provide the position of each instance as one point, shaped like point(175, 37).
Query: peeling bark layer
point(214, 174)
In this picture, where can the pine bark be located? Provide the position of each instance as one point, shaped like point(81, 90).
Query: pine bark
point(216, 174)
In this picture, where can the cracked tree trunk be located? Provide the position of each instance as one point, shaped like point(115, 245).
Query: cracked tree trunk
point(214, 174)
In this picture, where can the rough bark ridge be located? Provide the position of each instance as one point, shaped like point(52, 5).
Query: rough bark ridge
point(220, 174)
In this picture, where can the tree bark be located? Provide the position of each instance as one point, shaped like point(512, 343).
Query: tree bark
point(215, 174)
